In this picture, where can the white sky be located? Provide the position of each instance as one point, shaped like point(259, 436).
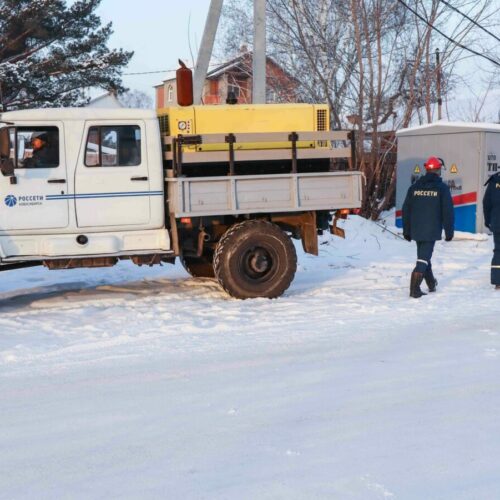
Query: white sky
point(158, 31)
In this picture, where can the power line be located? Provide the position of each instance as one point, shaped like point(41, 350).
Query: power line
point(470, 19)
point(170, 70)
point(458, 44)
point(214, 64)
point(149, 72)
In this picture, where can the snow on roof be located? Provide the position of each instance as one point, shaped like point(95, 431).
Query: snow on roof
point(443, 127)
point(78, 114)
point(107, 100)
point(243, 62)
point(234, 63)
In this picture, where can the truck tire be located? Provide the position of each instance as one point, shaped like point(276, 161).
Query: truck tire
point(255, 258)
point(199, 267)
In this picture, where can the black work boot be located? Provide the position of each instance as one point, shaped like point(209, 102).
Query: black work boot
point(430, 281)
point(416, 281)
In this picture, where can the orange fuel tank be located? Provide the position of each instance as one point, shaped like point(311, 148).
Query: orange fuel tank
point(184, 78)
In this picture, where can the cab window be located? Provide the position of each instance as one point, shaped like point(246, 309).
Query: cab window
point(34, 147)
point(115, 146)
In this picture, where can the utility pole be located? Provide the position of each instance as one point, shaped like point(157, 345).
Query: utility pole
point(206, 48)
point(439, 100)
point(259, 53)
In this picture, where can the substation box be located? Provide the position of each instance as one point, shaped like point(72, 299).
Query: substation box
point(471, 153)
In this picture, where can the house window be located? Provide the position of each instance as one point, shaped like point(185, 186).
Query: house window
point(235, 89)
point(170, 93)
point(118, 146)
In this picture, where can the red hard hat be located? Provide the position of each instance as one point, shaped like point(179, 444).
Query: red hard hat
point(433, 163)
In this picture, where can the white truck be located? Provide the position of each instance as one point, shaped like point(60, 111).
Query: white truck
point(89, 187)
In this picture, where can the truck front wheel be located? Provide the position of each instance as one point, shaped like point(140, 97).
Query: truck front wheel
point(255, 258)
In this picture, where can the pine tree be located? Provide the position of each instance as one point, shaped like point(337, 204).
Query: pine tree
point(51, 52)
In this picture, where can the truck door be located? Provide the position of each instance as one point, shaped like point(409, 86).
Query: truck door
point(112, 187)
point(35, 197)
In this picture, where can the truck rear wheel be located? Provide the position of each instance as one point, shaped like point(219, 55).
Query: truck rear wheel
point(255, 258)
point(199, 267)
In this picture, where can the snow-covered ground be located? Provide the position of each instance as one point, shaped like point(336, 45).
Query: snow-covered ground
point(145, 383)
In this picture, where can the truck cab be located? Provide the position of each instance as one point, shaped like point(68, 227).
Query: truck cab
point(105, 178)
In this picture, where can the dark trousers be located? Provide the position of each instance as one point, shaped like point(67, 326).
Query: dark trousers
point(424, 255)
point(495, 263)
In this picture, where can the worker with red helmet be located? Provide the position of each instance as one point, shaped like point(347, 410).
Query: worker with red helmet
point(427, 210)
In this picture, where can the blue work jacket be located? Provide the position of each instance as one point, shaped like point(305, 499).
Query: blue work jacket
point(491, 204)
point(428, 209)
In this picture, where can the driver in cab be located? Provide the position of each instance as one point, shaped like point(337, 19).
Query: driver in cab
point(44, 155)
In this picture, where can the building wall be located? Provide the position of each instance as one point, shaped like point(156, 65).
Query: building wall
point(166, 94)
point(280, 87)
point(170, 89)
point(211, 92)
point(160, 96)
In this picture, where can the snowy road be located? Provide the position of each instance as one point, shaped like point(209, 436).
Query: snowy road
point(142, 383)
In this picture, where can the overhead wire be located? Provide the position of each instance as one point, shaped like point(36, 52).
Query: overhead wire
point(458, 44)
point(152, 72)
point(149, 72)
point(473, 21)
point(402, 2)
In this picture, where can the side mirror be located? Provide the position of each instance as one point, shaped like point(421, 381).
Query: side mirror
point(7, 167)
point(4, 142)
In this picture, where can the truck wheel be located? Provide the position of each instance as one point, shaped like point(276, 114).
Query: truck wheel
point(255, 258)
point(199, 267)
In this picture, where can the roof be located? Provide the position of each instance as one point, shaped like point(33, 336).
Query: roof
point(243, 59)
point(443, 127)
point(107, 100)
point(52, 114)
point(171, 78)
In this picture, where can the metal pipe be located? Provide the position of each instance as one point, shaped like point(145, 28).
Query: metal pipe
point(439, 100)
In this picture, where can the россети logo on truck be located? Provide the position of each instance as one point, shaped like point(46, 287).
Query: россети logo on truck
point(25, 200)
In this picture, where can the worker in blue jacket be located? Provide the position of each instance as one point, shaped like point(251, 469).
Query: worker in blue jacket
point(491, 209)
point(427, 210)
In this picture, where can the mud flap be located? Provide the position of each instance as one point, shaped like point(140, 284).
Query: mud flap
point(335, 230)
